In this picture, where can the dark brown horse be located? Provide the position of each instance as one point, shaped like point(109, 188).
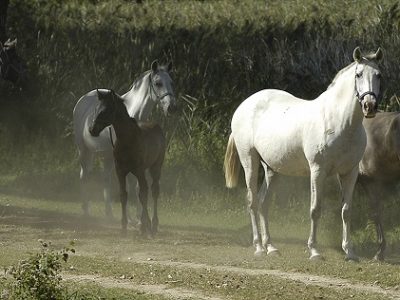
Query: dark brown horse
point(380, 166)
point(138, 147)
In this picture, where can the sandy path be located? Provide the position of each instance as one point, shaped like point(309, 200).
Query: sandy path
point(153, 289)
point(322, 281)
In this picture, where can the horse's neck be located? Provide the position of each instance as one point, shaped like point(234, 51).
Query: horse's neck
point(341, 106)
point(138, 100)
point(125, 128)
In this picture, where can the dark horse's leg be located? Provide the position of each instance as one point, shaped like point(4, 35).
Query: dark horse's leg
point(123, 197)
point(375, 193)
point(143, 195)
point(155, 172)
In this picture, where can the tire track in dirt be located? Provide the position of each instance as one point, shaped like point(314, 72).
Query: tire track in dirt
point(308, 279)
point(152, 289)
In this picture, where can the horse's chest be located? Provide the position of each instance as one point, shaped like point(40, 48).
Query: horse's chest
point(128, 159)
point(338, 152)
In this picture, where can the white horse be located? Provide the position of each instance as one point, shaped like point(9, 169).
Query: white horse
point(151, 88)
point(316, 138)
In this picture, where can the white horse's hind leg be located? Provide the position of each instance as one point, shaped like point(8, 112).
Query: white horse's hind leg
point(108, 167)
point(264, 196)
point(86, 162)
point(250, 165)
point(347, 183)
point(317, 179)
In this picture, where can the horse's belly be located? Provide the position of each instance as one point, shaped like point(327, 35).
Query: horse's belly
point(284, 156)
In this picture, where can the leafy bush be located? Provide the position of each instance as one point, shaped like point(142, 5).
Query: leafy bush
point(38, 277)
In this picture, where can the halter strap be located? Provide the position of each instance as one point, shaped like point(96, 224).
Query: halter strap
point(361, 97)
point(152, 89)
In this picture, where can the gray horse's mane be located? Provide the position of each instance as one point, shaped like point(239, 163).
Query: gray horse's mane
point(139, 80)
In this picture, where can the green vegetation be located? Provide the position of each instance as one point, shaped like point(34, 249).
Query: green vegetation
point(38, 277)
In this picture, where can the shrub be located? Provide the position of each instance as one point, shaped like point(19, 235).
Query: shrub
point(38, 277)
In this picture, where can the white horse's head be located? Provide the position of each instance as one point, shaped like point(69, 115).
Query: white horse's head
point(368, 81)
point(161, 87)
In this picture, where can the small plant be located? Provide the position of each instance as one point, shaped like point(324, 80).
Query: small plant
point(38, 277)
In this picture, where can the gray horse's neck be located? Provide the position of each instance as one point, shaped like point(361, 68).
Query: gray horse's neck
point(138, 100)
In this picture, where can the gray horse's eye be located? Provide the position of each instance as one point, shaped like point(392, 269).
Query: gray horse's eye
point(158, 83)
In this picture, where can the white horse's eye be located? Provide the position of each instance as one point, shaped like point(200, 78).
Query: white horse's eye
point(358, 75)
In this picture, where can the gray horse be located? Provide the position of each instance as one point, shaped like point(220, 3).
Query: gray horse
point(379, 170)
point(151, 88)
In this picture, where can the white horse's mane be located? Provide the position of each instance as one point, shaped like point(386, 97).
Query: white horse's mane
point(339, 74)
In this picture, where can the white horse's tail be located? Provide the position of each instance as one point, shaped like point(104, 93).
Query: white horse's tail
point(231, 164)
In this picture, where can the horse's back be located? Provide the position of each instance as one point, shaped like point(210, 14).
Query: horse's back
point(82, 115)
point(271, 122)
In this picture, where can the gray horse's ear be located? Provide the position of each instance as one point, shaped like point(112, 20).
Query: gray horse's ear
point(357, 54)
point(169, 66)
point(154, 66)
point(379, 54)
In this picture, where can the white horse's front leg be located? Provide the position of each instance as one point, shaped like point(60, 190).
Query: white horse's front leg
point(347, 183)
point(317, 180)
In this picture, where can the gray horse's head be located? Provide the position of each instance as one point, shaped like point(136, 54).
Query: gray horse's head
point(11, 66)
point(104, 113)
point(368, 81)
point(161, 90)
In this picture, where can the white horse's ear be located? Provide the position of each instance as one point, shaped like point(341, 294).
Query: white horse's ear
point(379, 54)
point(169, 66)
point(357, 54)
point(154, 66)
point(100, 94)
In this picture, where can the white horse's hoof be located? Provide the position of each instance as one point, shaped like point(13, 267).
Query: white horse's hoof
point(272, 251)
point(259, 253)
point(316, 256)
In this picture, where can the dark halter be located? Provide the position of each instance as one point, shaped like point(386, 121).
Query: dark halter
point(361, 97)
point(152, 89)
